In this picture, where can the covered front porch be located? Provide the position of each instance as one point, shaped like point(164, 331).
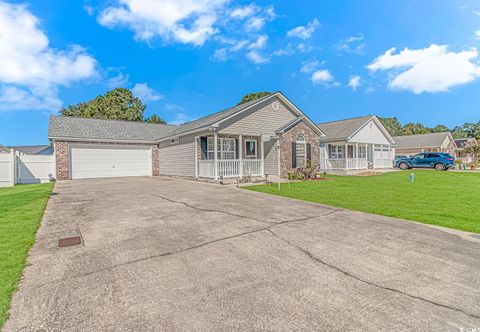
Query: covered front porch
point(222, 156)
point(356, 156)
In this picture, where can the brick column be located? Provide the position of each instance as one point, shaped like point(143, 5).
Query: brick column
point(155, 161)
point(62, 162)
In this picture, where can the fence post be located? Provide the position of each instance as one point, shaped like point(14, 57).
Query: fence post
point(12, 167)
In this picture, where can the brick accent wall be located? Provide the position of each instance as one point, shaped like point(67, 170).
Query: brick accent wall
point(62, 161)
point(155, 161)
point(286, 146)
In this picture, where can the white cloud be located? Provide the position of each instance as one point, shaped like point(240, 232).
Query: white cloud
point(477, 34)
point(31, 71)
point(310, 66)
point(304, 32)
point(257, 58)
point(432, 69)
point(89, 9)
point(146, 93)
point(321, 76)
point(476, 13)
point(220, 55)
point(352, 44)
point(354, 82)
point(118, 80)
point(183, 21)
point(181, 118)
point(244, 12)
point(260, 43)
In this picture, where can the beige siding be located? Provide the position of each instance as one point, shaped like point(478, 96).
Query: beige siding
point(178, 159)
point(370, 133)
point(271, 159)
point(262, 119)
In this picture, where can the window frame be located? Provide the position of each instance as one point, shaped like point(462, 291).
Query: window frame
point(300, 141)
point(254, 155)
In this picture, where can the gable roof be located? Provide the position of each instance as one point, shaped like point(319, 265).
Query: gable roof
point(98, 129)
point(422, 140)
point(3, 148)
point(346, 129)
point(31, 149)
point(216, 118)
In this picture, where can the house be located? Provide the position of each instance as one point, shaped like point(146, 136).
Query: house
point(42, 150)
point(268, 136)
point(461, 154)
point(433, 142)
point(4, 149)
point(355, 144)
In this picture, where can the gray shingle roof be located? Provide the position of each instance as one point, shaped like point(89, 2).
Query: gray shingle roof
point(33, 149)
point(213, 118)
point(343, 128)
point(74, 127)
point(420, 141)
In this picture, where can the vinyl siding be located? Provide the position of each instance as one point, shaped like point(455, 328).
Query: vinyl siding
point(370, 133)
point(262, 119)
point(178, 159)
point(271, 159)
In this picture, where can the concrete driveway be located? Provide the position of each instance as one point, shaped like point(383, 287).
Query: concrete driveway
point(169, 254)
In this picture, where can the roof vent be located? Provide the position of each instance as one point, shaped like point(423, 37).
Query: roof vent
point(275, 106)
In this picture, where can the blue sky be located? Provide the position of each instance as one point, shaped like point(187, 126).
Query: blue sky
point(333, 59)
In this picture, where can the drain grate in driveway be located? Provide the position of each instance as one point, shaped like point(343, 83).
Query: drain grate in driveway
point(69, 241)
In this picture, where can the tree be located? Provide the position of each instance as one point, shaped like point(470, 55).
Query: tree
point(414, 129)
point(439, 129)
point(117, 104)
point(473, 149)
point(393, 126)
point(252, 96)
point(467, 130)
point(156, 119)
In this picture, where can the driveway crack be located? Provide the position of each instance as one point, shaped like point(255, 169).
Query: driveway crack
point(317, 260)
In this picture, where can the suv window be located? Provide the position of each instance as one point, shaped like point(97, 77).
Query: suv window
point(420, 156)
point(433, 155)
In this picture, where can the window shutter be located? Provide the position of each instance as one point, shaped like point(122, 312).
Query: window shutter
point(237, 155)
point(203, 147)
point(329, 150)
point(309, 152)
point(294, 155)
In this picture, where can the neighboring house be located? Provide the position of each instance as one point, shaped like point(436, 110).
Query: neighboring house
point(268, 136)
point(355, 144)
point(42, 150)
point(433, 142)
point(4, 149)
point(461, 154)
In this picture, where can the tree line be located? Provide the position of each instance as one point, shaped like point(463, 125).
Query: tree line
point(395, 128)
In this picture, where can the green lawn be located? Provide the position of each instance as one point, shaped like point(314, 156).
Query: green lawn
point(21, 209)
point(448, 199)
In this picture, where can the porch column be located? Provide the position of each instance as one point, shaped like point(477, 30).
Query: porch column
point(196, 157)
point(240, 154)
point(345, 156)
point(356, 155)
point(215, 154)
point(261, 156)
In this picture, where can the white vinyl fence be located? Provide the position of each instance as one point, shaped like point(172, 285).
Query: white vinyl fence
point(19, 168)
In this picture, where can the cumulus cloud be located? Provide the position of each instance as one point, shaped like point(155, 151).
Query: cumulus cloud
point(182, 21)
point(310, 66)
point(322, 76)
point(257, 58)
point(304, 32)
point(244, 11)
point(431, 69)
point(31, 71)
point(354, 82)
point(146, 93)
point(181, 118)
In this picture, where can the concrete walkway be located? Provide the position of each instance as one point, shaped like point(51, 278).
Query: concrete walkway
point(169, 254)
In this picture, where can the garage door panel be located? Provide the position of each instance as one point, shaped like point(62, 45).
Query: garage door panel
point(109, 161)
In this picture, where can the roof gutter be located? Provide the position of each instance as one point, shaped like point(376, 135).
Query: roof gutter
point(100, 140)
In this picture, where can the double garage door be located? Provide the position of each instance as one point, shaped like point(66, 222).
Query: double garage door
point(103, 161)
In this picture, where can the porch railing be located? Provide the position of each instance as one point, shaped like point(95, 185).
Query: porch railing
point(349, 163)
point(229, 168)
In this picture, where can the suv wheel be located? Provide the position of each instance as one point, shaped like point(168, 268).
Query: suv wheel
point(440, 167)
point(403, 166)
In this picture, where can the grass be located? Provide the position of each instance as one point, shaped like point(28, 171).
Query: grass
point(448, 199)
point(21, 209)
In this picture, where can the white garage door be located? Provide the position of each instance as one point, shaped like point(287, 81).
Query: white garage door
point(102, 161)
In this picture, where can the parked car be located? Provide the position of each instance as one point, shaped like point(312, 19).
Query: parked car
point(439, 161)
point(400, 156)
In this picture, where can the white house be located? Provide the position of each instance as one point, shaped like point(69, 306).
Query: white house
point(356, 144)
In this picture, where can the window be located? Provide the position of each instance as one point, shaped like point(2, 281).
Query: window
point(362, 152)
point(337, 151)
point(226, 148)
point(301, 151)
point(251, 148)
